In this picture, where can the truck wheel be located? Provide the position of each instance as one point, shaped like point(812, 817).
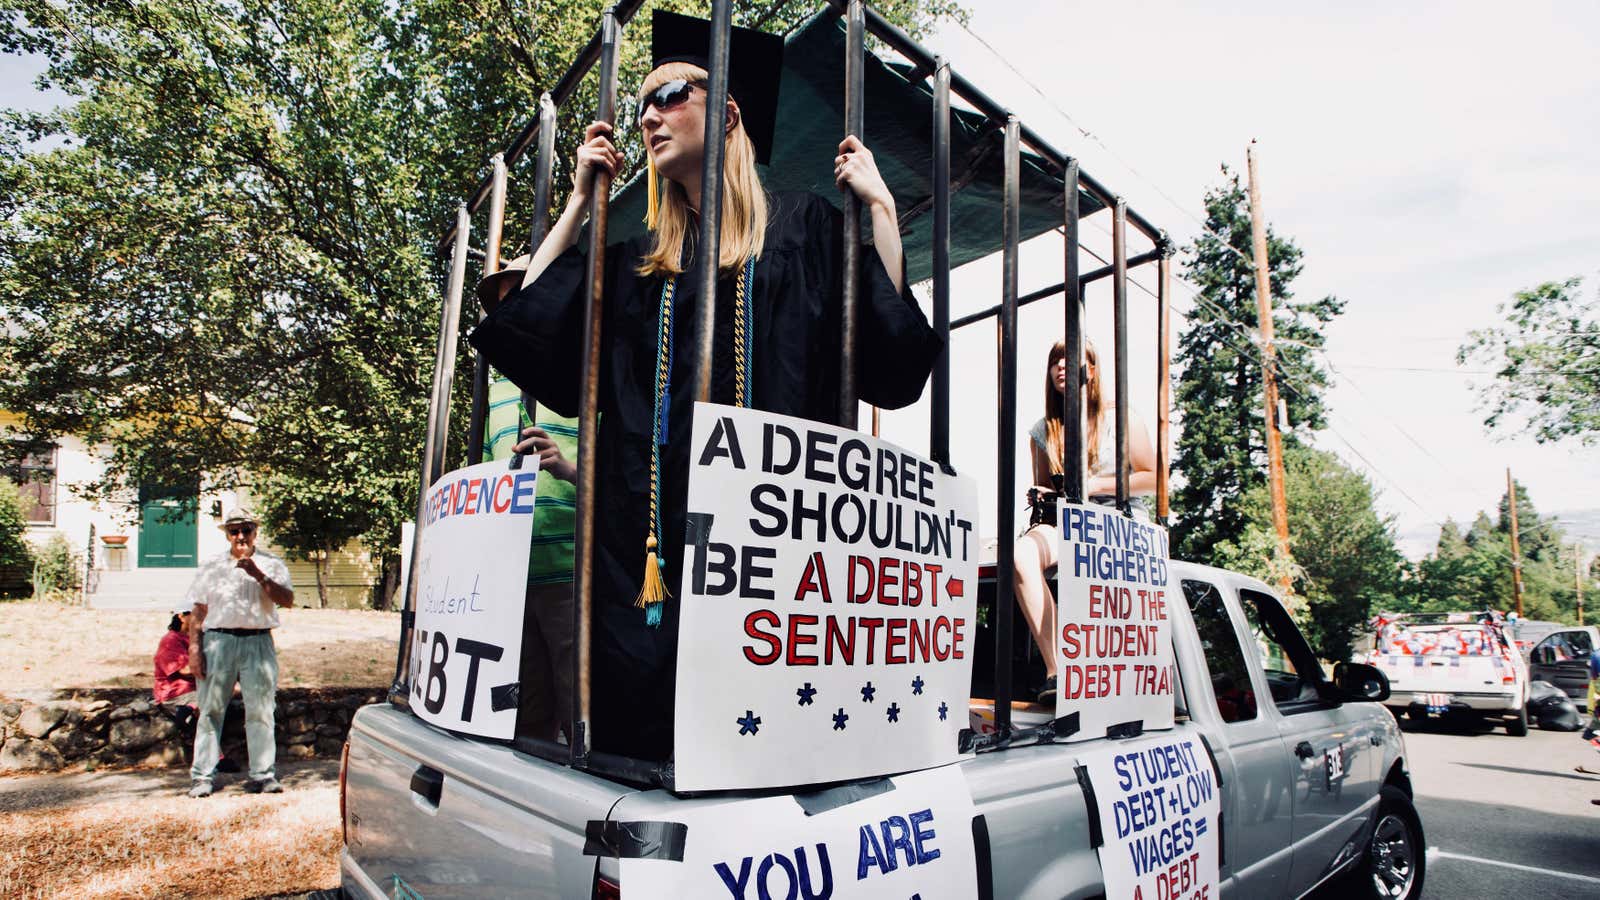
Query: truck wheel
point(1394, 863)
point(1518, 727)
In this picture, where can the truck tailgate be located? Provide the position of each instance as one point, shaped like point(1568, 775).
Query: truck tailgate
point(503, 824)
point(1441, 674)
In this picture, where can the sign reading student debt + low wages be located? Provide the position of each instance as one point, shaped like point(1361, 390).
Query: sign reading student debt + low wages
point(1158, 806)
point(911, 839)
point(471, 579)
point(828, 605)
point(1113, 639)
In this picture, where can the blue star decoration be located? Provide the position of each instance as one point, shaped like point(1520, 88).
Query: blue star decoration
point(750, 724)
point(894, 712)
point(806, 693)
point(944, 710)
point(916, 686)
point(867, 692)
point(839, 718)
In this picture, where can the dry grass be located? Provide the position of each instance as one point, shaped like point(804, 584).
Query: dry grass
point(233, 845)
point(50, 646)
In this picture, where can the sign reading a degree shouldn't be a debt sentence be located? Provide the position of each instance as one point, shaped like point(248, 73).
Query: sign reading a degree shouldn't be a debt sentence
point(828, 605)
point(472, 578)
point(1113, 639)
point(1158, 807)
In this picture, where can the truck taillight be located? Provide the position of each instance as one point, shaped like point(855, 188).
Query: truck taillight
point(1508, 678)
point(344, 769)
point(606, 889)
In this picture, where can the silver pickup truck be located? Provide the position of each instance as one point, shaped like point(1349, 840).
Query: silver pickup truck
point(1314, 785)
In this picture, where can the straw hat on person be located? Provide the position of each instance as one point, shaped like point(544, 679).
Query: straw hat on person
point(494, 288)
point(239, 515)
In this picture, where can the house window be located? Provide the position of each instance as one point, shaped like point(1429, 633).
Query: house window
point(35, 477)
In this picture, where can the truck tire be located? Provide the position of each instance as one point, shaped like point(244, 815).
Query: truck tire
point(1394, 862)
point(1518, 726)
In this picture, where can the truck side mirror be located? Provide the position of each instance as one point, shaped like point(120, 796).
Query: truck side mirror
point(1361, 682)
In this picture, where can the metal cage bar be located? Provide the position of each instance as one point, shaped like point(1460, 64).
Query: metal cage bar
point(1072, 337)
point(589, 400)
point(1163, 384)
point(491, 265)
point(939, 406)
point(854, 124)
point(709, 247)
point(1006, 463)
point(1046, 293)
point(1119, 325)
point(444, 371)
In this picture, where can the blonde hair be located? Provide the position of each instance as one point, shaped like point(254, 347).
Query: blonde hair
point(1093, 408)
point(744, 200)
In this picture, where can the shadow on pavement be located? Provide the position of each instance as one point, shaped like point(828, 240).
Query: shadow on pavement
point(59, 790)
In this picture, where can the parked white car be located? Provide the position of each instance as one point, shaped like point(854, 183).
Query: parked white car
point(1452, 663)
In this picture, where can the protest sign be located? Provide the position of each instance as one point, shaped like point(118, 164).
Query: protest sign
point(1113, 639)
point(912, 840)
point(828, 605)
point(471, 578)
point(1159, 807)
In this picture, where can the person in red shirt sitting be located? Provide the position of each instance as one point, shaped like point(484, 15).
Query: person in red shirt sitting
point(174, 683)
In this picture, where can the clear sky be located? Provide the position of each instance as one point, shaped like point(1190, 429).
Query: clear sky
point(1429, 158)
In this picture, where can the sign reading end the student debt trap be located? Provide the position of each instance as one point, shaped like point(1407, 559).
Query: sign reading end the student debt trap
point(1113, 638)
point(828, 605)
point(1158, 809)
point(472, 576)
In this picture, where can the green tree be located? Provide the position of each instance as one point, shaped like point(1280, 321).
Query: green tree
point(1346, 562)
point(1473, 571)
point(1221, 454)
point(16, 556)
point(1547, 359)
point(219, 258)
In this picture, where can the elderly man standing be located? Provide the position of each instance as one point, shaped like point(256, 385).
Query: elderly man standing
point(235, 597)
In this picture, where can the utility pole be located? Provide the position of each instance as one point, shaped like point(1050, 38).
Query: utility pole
point(1516, 548)
point(1577, 576)
point(1269, 379)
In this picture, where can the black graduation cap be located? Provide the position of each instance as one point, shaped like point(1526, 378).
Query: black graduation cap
point(755, 68)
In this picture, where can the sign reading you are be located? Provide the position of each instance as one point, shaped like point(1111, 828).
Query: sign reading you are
point(913, 839)
point(828, 605)
point(1113, 637)
point(472, 578)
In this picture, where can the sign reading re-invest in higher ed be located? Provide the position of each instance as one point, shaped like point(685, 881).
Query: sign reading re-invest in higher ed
point(1113, 638)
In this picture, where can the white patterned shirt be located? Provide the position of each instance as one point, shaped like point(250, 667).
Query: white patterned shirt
point(234, 599)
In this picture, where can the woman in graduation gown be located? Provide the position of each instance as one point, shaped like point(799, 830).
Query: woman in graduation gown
point(781, 272)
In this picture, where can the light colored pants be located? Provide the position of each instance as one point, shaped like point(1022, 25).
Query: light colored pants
point(252, 661)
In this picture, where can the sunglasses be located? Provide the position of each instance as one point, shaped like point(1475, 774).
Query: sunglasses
point(671, 95)
point(237, 530)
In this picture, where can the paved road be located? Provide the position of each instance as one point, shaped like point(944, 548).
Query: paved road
point(1506, 817)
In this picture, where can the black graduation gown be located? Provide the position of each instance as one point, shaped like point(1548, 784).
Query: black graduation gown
point(535, 338)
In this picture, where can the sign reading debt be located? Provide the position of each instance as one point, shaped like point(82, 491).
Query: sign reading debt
point(471, 579)
point(914, 839)
point(828, 605)
point(1114, 642)
point(1158, 806)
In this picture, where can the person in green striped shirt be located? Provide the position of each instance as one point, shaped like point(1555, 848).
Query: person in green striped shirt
point(545, 708)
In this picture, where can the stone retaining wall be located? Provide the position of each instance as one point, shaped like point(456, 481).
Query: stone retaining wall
point(123, 727)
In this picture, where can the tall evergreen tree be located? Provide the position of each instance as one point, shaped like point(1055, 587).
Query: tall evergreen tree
point(1221, 453)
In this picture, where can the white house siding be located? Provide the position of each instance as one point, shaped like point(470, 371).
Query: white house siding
point(352, 571)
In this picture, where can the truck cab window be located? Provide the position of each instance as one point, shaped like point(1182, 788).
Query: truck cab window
point(1230, 677)
point(1291, 669)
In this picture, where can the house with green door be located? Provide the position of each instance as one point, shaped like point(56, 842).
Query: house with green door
point(143, 551)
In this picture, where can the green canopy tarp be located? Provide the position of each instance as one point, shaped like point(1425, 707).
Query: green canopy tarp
point(899, 117)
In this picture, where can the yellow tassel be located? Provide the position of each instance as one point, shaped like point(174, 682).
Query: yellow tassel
point(652, 205)
point(654, 589)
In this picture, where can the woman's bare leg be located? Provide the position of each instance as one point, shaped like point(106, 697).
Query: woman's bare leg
point(1035, 553)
